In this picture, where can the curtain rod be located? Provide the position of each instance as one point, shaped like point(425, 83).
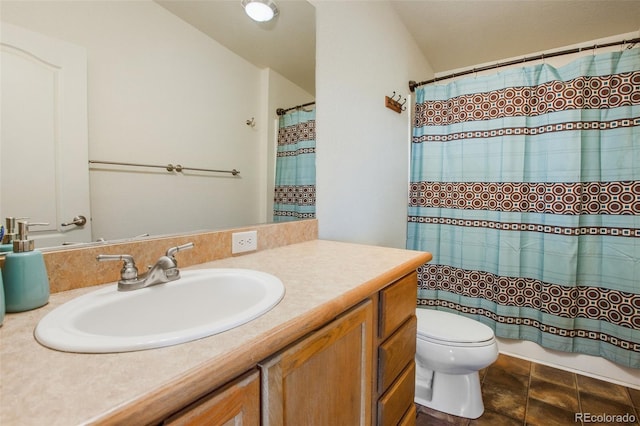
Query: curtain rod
point(413, 84)
point(281, 111)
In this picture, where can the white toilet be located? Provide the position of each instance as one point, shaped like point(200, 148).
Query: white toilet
point(450, 351)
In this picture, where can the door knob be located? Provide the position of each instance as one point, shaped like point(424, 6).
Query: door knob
point(78, 221)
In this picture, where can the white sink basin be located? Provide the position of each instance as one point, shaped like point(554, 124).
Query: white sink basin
point(201, 303)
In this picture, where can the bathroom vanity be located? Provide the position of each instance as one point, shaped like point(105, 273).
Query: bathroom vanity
point(338, 349)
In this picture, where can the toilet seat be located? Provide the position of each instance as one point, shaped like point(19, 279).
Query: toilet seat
point(450, 329)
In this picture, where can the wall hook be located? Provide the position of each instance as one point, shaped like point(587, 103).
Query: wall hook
point(394, 104)
point(252, 122)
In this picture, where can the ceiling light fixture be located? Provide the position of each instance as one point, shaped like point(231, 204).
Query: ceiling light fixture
point(260, 10)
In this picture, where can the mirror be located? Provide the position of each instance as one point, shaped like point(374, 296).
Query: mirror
point(190, 83)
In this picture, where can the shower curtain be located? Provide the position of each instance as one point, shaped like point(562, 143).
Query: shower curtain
point(525, 186)
point(295, 183)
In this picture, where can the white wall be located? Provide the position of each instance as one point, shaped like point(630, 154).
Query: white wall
point(161, 92)
point(363, 52)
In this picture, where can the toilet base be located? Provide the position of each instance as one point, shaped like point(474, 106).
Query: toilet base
point(456, 394)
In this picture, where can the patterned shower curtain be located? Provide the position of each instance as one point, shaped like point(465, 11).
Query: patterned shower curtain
point(525, 186)
point(295, 186)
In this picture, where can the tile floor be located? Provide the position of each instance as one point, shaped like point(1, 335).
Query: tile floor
point(519, 392)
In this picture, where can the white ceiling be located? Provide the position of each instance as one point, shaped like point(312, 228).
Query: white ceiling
point(287, 44)
point(462, 33)
point(452, 34)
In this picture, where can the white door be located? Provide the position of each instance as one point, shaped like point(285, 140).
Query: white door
point(44, 173)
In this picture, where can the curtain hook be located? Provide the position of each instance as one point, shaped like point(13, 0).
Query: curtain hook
point(629, 45)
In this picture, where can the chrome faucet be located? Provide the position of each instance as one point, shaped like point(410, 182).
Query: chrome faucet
point(165, 269)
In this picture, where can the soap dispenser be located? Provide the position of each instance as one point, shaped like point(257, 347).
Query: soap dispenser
point(26, 284)
point(9, 234)
point(1, 300)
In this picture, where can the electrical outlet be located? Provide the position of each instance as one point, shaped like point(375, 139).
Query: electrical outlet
point(244, 241)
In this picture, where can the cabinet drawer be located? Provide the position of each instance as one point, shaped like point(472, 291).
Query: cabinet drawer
point(397, 303)
point(410, 416)
point(396, 352)
point(393, 405)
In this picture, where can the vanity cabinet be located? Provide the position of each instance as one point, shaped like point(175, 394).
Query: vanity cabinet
point(237, 403)
point(359, 369)
point(326, 378)
point(332, 376)
point(337, 350)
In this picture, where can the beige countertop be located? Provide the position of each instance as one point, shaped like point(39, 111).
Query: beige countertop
point(322, 279)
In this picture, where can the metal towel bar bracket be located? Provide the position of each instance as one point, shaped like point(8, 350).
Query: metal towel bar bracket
point(169, 167)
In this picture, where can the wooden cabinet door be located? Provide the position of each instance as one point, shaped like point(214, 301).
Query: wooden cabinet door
point(325, 379)
point(237, 403)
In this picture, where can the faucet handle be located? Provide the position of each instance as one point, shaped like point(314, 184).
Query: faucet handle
point(173, 250)
point(129, 270)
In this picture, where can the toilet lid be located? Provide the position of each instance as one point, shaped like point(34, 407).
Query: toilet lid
point(449, 327)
